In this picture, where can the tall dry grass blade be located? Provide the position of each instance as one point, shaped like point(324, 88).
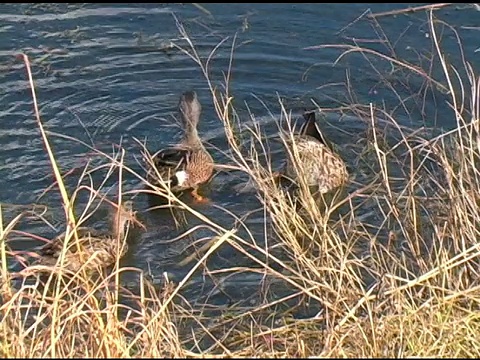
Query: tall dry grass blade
point(58, 177)
point(69, 215)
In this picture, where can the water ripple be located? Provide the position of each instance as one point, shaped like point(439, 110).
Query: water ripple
point(83, 13)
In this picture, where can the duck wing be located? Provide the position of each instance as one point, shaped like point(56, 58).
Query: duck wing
point(172, 157)
point(168, 162)
point(54, 247)
point(310, 128)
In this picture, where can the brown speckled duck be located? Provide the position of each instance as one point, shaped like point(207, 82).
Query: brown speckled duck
point(188, 164)
point(95, 249)
point(321, 167)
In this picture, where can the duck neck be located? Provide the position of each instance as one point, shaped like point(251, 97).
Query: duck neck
point(191, 137)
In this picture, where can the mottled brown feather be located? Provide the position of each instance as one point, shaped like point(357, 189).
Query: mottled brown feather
point(95, 249)
point(189, 156)
point(314, 161)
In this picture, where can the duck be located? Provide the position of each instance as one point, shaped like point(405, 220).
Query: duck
point(185, 165)
point(320, 165)
point(95, 249)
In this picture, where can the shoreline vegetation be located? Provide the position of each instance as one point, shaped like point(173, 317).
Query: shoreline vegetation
point(391, 263)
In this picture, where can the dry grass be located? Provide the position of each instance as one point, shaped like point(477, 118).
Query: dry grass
point(390, 265)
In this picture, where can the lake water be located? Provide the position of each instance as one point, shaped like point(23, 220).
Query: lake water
point(106, 74)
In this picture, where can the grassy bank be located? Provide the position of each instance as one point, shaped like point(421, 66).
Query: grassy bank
point(391, 264)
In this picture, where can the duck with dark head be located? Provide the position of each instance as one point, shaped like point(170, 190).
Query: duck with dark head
point(313, 159)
